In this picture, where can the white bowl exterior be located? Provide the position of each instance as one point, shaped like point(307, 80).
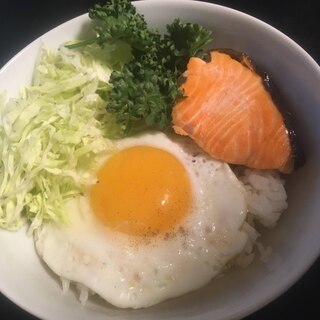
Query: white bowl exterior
point(296, 240)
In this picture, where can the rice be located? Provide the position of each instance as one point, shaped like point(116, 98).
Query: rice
point(266, 199)
point(65, 283)
point(266, 196)
point(83, 292)
point(247, 256)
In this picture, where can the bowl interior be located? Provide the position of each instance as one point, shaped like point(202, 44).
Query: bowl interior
point(26, 281)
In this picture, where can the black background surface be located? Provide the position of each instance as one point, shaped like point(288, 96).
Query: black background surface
point(23, 21)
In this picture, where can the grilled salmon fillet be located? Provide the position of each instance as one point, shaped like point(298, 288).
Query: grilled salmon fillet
point(229, 113)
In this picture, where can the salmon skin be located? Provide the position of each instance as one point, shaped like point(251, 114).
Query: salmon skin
point(230, 113)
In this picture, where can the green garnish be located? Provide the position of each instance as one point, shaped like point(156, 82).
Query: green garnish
point(146, 88)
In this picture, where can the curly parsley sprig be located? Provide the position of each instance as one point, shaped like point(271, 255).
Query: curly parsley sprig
point(145, 90)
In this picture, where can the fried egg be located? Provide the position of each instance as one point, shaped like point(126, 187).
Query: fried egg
point(162, 219)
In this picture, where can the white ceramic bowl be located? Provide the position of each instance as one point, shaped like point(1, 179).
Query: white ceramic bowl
point(296, 239)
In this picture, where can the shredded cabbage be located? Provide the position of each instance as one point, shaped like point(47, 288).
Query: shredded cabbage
point(51, 136)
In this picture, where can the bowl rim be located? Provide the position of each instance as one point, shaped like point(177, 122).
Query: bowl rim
point(275, 291)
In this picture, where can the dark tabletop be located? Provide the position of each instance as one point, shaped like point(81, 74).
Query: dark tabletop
point(23, 21)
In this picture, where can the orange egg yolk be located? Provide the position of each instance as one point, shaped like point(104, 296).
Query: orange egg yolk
point(141, 191)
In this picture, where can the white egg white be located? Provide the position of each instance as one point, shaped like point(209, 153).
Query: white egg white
point(130, 272)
